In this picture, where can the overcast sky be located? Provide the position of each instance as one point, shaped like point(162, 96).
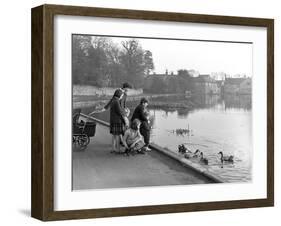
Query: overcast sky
point(205, 57)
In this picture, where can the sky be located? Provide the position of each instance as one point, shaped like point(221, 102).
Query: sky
point(203, 56)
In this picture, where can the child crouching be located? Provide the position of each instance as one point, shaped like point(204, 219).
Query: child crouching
point(132, 139)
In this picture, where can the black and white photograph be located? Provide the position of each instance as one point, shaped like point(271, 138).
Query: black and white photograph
point(141, 112)
point(160, 112)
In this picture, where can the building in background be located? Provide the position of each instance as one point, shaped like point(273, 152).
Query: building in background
point(238, 86)
point(204, 84)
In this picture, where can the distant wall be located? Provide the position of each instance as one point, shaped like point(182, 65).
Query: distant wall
point(83, 90)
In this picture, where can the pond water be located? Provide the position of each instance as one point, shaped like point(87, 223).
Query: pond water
point(216, 124)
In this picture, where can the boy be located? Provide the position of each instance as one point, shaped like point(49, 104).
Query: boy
point(141, 113)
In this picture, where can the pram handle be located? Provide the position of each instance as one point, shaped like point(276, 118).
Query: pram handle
point(97, 111)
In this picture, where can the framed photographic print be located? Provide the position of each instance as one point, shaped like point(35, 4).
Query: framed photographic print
point(141, 112)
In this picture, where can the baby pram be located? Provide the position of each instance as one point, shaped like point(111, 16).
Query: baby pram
point(82, 130)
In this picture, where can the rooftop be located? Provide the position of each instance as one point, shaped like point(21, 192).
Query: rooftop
point(235, 81)
point(204, 78)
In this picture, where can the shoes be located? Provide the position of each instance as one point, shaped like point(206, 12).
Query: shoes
point(121, 144)
point(141, 152)
point(116, 152)
point(127, 152)
point(147, 149)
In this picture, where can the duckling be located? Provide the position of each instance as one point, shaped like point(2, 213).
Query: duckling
point(225, 158)
point(203, 160)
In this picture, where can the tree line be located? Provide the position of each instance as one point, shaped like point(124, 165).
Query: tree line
point(101, 62)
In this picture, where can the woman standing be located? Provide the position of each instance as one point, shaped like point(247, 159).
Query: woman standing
point(125, 88)
point(116, 120)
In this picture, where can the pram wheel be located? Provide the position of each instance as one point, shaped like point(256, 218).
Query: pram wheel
point(83, 141)
point(82, 130)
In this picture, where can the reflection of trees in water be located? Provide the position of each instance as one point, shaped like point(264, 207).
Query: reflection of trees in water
point(215, 102)
point(183, 112)
point(152, 119)
point(238, 101)
point(206, 101)
point(227, 101)
point(173, 99)
point(169, 98)
point(165, 110)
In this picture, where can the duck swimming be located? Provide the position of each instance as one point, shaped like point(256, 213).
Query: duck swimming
point(225, 158)
point(203, 160)
point(182, 149)
point(196, 154)
point(189, 154)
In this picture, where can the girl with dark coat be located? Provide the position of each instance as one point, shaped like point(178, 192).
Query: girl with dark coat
point(116, 120)
point(125, 88)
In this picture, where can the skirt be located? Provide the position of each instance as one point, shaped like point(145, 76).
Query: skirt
point(117, 128)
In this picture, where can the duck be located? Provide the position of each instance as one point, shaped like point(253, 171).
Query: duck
point(187, 155)
point(225, 158)
point(196, 154)
point(190, 154)
point(203, 160)
point(182, 149)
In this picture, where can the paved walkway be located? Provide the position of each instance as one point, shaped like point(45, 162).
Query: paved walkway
point(96, 167)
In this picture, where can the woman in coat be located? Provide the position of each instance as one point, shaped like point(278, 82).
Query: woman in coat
point(116, 120)
point(125, 88)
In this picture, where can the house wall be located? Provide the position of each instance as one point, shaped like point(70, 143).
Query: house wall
point(206, 88)
point(231, 88)
point(246, 87)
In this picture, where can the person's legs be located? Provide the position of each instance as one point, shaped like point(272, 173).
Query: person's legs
point(146, 137)
point(113, 143)
point(118, 139)
point(140, 147)
point(147, 140)
point(121, 135)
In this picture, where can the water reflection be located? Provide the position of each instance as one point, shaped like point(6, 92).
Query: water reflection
point(214, 102)
point(238, 102)
point(207, 101)
point(217, 124)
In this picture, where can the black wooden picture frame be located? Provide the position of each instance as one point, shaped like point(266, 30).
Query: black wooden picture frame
point(43, 111)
